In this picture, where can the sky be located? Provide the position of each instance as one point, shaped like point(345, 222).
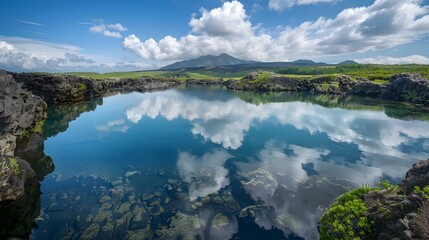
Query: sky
point(129, 35)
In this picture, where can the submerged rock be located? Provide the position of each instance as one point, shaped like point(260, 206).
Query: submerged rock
point(181, 226)
point(132, 174)
point(121, 225)
point(140, 218)
point(147, 196)
point(219, 221)
point(91, 232)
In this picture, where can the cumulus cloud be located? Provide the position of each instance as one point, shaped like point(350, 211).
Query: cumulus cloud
point(278, 178)
point(227, 123)
point(283, 4)
point(76, 58)
point(224, 29)
point(5, 47)
point(108, 30)
point(23, 54)
point(204, 175)
point(113, 126)
point(384, 24)
point(412, 59)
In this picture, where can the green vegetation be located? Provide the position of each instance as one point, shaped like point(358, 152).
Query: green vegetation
point(377, 73)
point(346, 218)
point(263, 77)
point(370, 71)
point(425, 190)
point(12, 165)
point(83, 86)
point(38, 128)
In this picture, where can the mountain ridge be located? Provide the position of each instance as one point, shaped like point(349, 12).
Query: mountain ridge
point(207, 61)
point(225, 60)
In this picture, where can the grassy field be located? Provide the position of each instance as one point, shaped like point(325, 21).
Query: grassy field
point(377, 73)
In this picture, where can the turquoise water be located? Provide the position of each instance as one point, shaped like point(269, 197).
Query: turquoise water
point(215, 164)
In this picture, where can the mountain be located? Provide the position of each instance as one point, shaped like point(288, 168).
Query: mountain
point(207, 61)
point(305, 62)
point(348, 62)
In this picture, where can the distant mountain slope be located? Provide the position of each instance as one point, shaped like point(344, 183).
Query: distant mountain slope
point(348, 62)
point(207, 61)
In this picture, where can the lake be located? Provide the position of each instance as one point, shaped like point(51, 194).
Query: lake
point(208, 163)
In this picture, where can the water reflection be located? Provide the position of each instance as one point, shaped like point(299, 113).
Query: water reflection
point(227, 122)
point(204, 175)
point(18, 217)
point(212, 164)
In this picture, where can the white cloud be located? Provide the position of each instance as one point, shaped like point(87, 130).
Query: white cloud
point(113, 126)
point(382, 25)
point(227, 123)
point(23, 54)
point(204, 175)
point(416, 59)
point(283, 4)
point(106, 29)
point(5, 47)
point(224, 29)
point(30, 23)
point(117, 26)
point(282, 183)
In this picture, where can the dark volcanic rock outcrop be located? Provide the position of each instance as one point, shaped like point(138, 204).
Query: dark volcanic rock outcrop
point(59, 88)
point(402, 87)
point(23, 163)
point(141, 85)
point(19, 110)
point(402, 213)
point(69, 88)
point(407, 87)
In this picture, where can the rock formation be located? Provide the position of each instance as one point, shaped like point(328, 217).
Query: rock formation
point(23, 163)
point(390, 212)
point(405, 87)
point(402, 213)
point(69, 88)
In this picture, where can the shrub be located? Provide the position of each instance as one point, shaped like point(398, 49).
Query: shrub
point(346, 218)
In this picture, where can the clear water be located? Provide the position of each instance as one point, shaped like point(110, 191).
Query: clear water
point(214, 164)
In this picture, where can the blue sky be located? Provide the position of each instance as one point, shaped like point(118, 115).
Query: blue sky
point(133, 35)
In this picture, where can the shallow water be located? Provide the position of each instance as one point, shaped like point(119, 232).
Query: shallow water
point(216, 164)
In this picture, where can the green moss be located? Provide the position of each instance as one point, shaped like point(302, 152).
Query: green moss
point(262, 77)
point(14, 166)
point(346, 218)
point(380, 81)
point(426, 191)
point(82, 86)
point(410, 94)
point(38, 128)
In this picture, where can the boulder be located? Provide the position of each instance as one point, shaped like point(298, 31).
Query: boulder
point(407, 87)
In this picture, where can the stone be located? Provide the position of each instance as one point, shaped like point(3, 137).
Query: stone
point(181, 226)
point(102, 215)
point(131, 174)
point(219, 221)
point(121, 225)
point(117, 193)
point(155, 202)
point(91, 232)
point(140, 219)
point(83, 222)
point(147, 196)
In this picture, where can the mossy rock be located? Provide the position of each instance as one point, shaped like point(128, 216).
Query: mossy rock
point(346, 218)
